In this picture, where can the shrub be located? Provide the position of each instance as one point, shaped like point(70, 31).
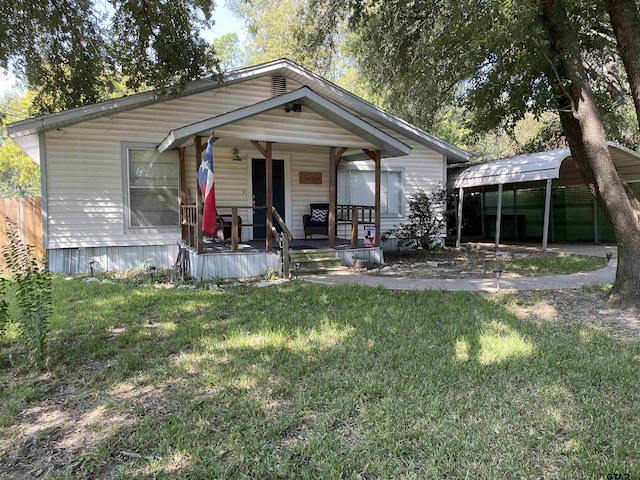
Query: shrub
point(426, 220)
point(32, 283)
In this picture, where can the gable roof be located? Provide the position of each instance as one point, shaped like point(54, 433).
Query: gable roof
point(283, 67)
point(389, 146)
point(533, 167)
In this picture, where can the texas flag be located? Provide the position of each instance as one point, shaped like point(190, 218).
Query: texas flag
point(205, 180)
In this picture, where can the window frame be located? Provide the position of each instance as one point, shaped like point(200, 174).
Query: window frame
point(126, 191)
point(384, 170)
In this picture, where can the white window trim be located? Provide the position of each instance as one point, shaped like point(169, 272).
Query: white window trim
point(400, 170)
point(126, 210)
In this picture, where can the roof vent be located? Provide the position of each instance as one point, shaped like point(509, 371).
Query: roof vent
point(278, 85)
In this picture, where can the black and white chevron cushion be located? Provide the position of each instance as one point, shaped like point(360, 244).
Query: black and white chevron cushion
point(318, 217)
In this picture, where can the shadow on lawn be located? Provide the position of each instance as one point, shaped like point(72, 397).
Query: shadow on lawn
point(302, 381)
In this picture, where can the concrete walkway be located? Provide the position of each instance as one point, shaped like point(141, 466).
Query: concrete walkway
point(551, 282)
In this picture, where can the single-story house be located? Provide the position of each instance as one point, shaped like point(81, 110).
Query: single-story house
point(539, 196)
point(119, 183)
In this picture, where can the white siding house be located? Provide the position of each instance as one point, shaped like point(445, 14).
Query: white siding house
point(97, 188)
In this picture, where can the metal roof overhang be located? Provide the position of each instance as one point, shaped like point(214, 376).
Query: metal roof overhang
point(388, 145)
point(531, 168)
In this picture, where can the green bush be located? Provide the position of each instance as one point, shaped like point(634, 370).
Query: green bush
point(31, 281)
point(426, 220)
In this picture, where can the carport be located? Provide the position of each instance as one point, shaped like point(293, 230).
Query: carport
point(541, 184)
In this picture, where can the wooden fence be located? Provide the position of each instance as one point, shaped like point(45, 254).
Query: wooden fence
point(25, 213)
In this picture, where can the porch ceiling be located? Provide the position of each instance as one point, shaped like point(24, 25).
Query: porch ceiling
point(540, 166)
point(388, 145)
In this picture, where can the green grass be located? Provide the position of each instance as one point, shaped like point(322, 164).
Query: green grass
point(536, 266)
point(303, 381)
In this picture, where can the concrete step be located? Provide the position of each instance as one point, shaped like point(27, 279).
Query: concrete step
point(330, 270)
point(318, 263)
point(301, 254)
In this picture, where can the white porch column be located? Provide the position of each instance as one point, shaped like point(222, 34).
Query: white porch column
point(547, 212)
point(498, 216)
point(459, 216)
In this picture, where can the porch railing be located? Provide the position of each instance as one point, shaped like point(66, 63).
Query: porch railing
point(285, 237)
point(190, 223)
point(354, 215)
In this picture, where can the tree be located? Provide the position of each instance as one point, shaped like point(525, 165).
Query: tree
point(70, 52)
point(19, 175)
point(585, 133)
point(425, 53)
point(229, 51)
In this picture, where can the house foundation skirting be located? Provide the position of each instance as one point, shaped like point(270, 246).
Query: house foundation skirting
point(205, 266)
point(369, 255)
point(208, 266)
point(77, 261)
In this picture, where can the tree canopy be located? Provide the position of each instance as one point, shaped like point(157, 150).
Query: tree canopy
point(73, 52)
point(19, 174)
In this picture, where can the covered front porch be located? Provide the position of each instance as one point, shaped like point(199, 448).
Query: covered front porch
point(272, 161)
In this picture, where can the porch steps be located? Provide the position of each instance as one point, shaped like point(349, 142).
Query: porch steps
point(317, 261)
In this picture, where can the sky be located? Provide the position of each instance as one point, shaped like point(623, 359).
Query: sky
point(225, 23)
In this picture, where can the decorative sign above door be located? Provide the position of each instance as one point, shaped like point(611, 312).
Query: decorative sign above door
point(311, 178)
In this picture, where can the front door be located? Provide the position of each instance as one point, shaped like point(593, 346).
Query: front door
point(259, 185)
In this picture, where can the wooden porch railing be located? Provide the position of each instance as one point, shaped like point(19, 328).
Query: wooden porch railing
point(190, 221)
point(285, 237)
point(354, 215)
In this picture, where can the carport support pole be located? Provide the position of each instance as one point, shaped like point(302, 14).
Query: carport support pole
point(498, 216)
point(460, 202)
point(547, 213)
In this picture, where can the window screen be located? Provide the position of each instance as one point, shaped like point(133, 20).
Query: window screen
point(358, 187)
point(153, 189)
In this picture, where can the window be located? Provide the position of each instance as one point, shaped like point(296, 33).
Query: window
point(358, 187)
point(152, 188)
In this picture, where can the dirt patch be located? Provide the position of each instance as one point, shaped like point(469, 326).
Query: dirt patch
point(52, 437)
point(470, 264)
point(585, 307)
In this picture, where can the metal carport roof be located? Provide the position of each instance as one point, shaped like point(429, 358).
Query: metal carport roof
point(540, 166)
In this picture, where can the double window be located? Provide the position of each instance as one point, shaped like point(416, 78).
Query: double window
point(358, 187)
point(152, 187)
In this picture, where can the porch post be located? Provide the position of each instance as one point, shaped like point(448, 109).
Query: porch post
point(183, 193)
point(459, 217)
point(268, 161)
point(333, 195)
point(596, 233)
point(547, 211)
point(199, 239)
point(515, 211)
point(482, 203)
point(498, 216)
point(377, 160)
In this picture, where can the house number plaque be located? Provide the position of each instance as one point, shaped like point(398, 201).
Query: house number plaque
point(311, 178)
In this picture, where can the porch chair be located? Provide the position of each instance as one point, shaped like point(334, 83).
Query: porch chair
point(318, 221)
point(224, 225)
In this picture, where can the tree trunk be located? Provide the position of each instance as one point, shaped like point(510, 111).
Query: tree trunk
point(587, 140)
point(625, 20)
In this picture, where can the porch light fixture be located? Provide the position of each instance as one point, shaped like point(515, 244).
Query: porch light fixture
point(235, 157)
point(498, 273)
point(296, 268)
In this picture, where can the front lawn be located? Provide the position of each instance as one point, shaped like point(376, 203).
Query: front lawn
point(305, 381)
